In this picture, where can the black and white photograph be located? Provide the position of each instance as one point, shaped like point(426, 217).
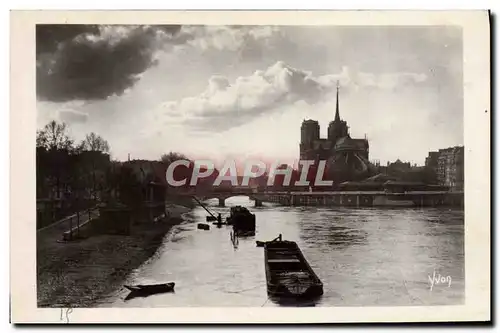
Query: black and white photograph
point(251, 165)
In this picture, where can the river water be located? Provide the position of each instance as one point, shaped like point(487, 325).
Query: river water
point(364, 257)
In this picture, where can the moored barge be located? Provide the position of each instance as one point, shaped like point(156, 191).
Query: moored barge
point(242, 220)
point(288, 273)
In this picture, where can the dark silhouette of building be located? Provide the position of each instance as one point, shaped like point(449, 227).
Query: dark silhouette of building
point(447, 166)
point(347, 158)
point(450, 167)
point(398, 167)
point(431, 161)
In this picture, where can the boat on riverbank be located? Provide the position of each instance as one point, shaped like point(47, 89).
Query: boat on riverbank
point(150, 289)
point(242, 220)
point(288, 273)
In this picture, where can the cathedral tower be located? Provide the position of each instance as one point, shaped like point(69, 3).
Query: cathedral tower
point(337, 113)
point(337, 128)
point(309, 132)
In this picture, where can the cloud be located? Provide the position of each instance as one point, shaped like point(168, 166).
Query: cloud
point(246, 43)
point(384, 81)
point(72, 116)
point(228, 38)
point(49, 36)
point(223, 105)
point(72, 113)
point(92, 62)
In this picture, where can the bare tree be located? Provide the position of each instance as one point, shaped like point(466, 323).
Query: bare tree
point(54, 136)
point(94, 142)
point(53, 155)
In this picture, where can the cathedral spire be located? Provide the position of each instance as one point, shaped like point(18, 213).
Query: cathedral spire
point(337, 115)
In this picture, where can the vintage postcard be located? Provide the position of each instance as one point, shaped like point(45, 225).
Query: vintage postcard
point(250, 167)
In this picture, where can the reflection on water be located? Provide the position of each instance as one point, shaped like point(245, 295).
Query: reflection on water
point(363, 257)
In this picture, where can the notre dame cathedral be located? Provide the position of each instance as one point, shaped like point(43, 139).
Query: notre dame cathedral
point(347, 158)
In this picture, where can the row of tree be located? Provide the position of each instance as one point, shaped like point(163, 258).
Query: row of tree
point(79, 172)
point(64, 166)
point(55, 136)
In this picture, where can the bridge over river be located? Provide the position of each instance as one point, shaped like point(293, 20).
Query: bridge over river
point(223, 194)
point(339, 198)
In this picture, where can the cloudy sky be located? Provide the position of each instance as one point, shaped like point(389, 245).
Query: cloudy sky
point(243, 91)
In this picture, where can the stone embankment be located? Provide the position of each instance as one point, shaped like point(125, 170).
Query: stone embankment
point(81, 272)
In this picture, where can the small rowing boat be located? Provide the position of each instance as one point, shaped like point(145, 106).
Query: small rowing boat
point(203, 226)
point(149, 289)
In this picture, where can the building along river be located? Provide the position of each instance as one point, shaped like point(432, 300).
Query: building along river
point(364, 257)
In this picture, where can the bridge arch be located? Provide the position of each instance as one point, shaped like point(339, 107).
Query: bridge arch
point(222, 197)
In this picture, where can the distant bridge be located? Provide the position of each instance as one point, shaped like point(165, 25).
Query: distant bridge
point(337, 198)
point(223, 194)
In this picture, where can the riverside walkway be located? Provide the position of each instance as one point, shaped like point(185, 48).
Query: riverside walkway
point(68, 227)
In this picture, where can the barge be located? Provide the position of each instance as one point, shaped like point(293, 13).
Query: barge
point(288, 274)
point(242, 220)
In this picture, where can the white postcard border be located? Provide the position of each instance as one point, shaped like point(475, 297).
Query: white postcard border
point(476, 43)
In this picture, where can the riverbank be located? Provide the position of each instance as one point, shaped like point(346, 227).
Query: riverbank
point(80, 273)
